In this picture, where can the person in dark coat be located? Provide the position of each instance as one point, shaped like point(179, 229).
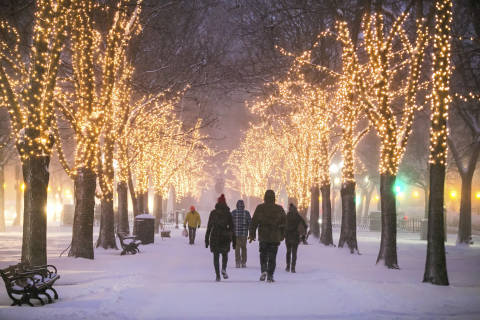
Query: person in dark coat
point(292, 235)
point(219, 235)
point(269, 218)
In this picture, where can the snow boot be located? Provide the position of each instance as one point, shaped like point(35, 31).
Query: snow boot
point(293, 269)
point(270, 278)
point(224, 274)
point(288, 268)
point(263, 276)
point(244, 265)
point(237, 265)
point(217, 278)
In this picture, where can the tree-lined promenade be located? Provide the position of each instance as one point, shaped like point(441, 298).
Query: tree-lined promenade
point(354, 74)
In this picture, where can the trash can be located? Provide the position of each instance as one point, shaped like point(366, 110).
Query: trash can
point(375, 221)
point(144, 227)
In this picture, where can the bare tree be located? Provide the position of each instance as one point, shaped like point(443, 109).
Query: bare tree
point(464, 140)
point(436, 265)
point(31, 113)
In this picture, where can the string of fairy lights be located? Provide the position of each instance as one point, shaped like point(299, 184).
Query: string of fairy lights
point(31, 107)
point(91, 111)
point(290, 146)
point(440, 97)
point(165, 153)
point(144, 137)
point(381, 87)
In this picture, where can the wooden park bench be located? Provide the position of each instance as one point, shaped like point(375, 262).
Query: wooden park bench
point(25, 282)
point(129, 244)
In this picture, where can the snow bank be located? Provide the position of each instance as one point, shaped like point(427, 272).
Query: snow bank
point(173, 280)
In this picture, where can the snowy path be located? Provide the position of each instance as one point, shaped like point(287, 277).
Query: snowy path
point(172, 280)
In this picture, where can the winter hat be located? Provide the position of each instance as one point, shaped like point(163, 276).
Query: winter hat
point(222, 199)
point(192, 208)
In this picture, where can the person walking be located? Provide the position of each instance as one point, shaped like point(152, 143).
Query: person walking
point(241, 222)
point(219, 235)
point(269, 218)
point(193, 220)
point(294, 224)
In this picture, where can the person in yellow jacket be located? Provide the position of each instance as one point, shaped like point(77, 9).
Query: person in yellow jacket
point(193, 220)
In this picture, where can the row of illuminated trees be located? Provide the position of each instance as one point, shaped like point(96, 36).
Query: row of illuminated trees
point(119, 138)
point(315, 111)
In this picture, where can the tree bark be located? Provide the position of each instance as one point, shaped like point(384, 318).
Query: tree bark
point(122, 191)
point(82, 236)
point(348, 230)
point(18, 197)
point(368, 200)
point(145, 202)
point(35, 176)
point(141, 203)
point(314, 211)
point(133, 195)
point(2, 199)
point(465, 219)
point(326, 237)
point(388, 243)
point(106, 237)
point(157, 210)
point(436, 265)
point(426, 196)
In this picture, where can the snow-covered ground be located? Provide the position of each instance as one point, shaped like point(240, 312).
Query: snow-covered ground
point(172, 280)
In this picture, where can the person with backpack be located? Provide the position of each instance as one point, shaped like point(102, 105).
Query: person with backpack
point(193, 220)
point(269, 218)
point(241, 222)
point(293, 234)
point(219, 235)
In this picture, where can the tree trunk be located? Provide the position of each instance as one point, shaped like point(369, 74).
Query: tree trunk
point(366, 208)
point(106, 237)
point(314, 212)
point(388, 243)
point(82, 236)
point(436, 265)
point(333, 203)
point(133, 195)
point(426, 195)
point(122, 191)
point(145, 202)
point(326, 237)
point(157, 210)
point(141, 203)
point(18, 197)
point(465, 219)
point(348, 230)
point(35, 176)
point(2, 199)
